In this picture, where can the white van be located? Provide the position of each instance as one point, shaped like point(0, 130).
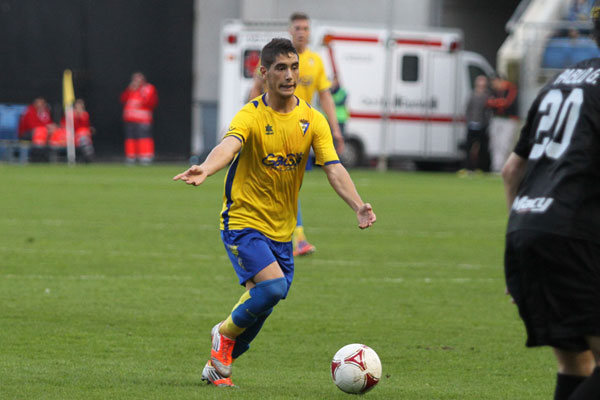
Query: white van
point(427, 81)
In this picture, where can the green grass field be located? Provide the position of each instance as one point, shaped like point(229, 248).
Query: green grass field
point(111, 278)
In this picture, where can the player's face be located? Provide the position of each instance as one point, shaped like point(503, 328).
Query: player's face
point(282, 76)
point(300, 31)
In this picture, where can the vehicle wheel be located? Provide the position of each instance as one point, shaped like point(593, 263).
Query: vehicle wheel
point(352, 155)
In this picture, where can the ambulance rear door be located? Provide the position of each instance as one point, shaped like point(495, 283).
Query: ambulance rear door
point(406, 129)
point(445, 111)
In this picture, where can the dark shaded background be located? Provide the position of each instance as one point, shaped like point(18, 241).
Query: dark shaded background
point(103, 42)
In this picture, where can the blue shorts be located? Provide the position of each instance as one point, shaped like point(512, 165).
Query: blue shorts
point(250, 252)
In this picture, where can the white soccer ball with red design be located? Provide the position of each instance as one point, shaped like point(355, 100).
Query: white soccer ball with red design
point(356, 368)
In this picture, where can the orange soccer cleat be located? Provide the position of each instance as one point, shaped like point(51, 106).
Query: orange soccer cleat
point(220, 354)
point(304, 248)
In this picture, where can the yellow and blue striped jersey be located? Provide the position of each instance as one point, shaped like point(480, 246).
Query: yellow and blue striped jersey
point(262, 183)
point(312, 76)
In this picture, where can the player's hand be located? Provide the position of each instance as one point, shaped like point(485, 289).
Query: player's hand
point(365, 215)
point(194, 175)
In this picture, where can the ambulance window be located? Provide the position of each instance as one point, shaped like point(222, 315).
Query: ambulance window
point(474, 72)
point(410, 68)
point(251, 61)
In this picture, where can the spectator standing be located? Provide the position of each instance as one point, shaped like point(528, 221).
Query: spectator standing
point(505, 120)
point(478, 116)
point(579, 11)
point(139, 101)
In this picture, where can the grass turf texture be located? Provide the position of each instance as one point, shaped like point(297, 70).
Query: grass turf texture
point(111, 278)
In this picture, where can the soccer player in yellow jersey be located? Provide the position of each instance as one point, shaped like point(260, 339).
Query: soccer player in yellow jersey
point(312, 78)
point(267, 144)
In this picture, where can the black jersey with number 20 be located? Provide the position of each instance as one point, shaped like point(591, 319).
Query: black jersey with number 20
point(560, 192)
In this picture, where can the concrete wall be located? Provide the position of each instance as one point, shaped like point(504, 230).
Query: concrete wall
point(406, 13)
point(483, 23)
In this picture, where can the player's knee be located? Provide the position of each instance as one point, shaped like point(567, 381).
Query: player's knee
point(270, 292)
point(263, 297)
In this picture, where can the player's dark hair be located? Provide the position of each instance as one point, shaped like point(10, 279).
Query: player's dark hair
point(274, 48)
point(298, 16)
point(595, 14)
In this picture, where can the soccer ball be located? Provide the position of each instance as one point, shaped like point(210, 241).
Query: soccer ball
point(356, 368)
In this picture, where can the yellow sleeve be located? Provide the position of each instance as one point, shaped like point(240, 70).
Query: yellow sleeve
point(239, 126)
point(322, 81)
point(322, 141)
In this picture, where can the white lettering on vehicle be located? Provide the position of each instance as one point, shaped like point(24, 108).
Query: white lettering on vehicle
point(537, 205)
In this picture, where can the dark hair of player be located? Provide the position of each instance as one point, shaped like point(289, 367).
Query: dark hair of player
point(274, 48)
point(298, 16)
point(595, 14)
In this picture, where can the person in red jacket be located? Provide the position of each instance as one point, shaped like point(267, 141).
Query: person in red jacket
point(82, 129)
point(505, 122)
point(36, 123)
point(139, 100)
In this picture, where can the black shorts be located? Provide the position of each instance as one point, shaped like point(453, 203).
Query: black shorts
point(137, 131)
point(555, 282)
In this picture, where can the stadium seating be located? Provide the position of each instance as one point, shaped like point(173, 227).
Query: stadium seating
point(10, 145)
point(563, 52)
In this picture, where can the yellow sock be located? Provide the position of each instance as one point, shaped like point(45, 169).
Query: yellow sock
point(299, 234)
point(228, 327)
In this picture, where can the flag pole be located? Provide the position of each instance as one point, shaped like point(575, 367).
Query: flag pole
point(68, 100)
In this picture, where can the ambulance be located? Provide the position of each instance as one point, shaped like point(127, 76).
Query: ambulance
point(407, 90)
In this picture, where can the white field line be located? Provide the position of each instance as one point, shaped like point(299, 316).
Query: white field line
point(221, 257)
point(115, 253)
point(395, 280)
point(215, 227)
point(98, 277)
point(62, 222)
point(400, 264)
point(430, 280)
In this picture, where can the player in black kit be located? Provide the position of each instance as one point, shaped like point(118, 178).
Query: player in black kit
point(552, 256)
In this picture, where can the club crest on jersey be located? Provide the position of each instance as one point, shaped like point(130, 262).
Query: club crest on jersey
point(304, 126)
point(269, 130)
point(283, 163)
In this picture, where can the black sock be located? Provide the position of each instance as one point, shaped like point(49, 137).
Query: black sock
point(566, 385)
point(588, 389)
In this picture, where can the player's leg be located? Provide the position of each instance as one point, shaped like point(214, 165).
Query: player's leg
point(283, 254)
point(573, 368)
point(301, 245)
point(266, 289)
point(590, 387)
point(257, 268)
point(145, 144)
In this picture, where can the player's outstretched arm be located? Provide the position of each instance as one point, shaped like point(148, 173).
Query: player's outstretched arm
point(217, 159)
point(341, 182)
